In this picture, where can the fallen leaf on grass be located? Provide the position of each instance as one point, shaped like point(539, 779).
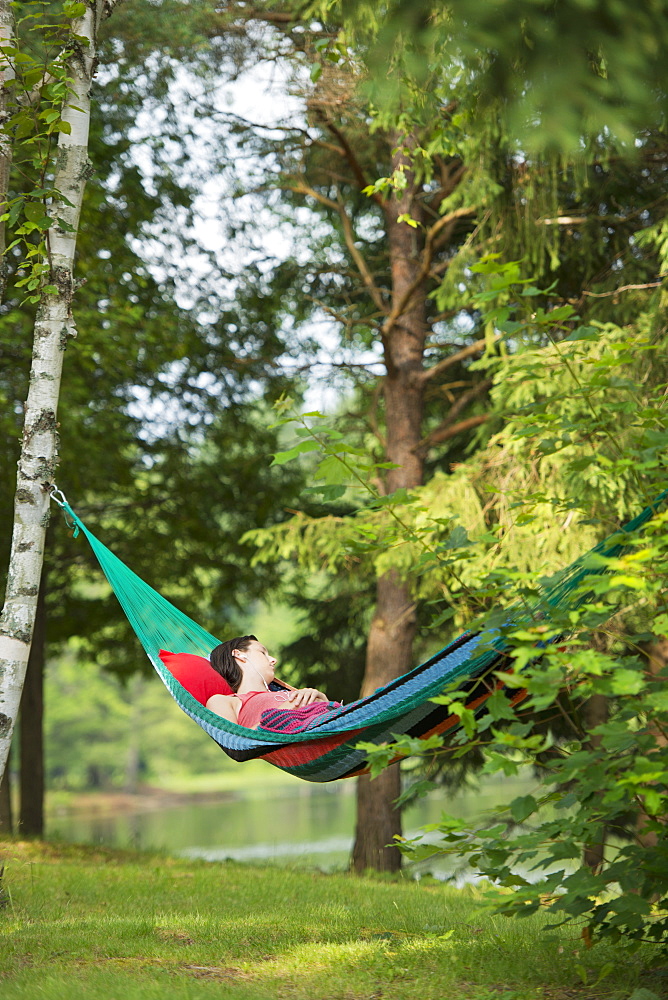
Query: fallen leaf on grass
point(215, 972)
point(171, 935)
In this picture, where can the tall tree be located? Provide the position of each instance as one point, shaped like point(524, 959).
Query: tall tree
point(54, 326)
point(449, 184)
point(6, 78)
point(161, 491)
point(374, 270)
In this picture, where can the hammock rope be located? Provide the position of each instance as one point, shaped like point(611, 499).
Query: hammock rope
point(329, 749)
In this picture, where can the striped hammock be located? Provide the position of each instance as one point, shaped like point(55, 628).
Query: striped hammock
point(329, 749)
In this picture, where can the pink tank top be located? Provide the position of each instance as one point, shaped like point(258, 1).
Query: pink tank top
point(254, 703)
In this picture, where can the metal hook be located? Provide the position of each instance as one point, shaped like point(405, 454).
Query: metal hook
point(71, 519)
point(54, 497)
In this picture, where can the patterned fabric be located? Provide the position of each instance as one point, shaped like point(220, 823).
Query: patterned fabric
point(297, 720)
point(329, 747)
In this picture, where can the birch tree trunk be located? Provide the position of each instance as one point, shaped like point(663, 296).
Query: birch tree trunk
point(6, 74)
point(389, 649)
point(54, 326)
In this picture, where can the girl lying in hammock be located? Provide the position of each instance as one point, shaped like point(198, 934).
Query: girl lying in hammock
point(249, 670)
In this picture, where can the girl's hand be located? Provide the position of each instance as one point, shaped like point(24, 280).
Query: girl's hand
point(305, 696)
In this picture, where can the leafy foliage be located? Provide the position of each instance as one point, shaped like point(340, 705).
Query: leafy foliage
point(584, 440)
point(36, 94)
point(600, 397)
point(162, 428)
point(560, 71)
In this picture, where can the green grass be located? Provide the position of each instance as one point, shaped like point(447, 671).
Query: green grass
point(92, 923)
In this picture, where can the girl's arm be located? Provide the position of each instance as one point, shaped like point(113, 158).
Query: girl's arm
point(225, 705)
point(299, 697)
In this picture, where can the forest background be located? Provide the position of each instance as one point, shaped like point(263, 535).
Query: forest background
point(473, 263)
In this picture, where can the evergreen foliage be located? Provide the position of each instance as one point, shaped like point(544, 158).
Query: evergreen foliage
point(584, 437)
point(558, 71)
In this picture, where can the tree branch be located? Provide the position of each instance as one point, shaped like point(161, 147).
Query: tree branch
point(446, 433)
point(348, 322)
point(367, 277)
point(450, 179)
point(328, 145)
point(349, 237)
point(226, 21)
point(373, 414)
point(626, 288)
point(467, 352)
point(399, 308)
point(445, 430)
point(353, 162)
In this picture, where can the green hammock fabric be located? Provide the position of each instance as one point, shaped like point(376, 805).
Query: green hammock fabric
point(329, 748)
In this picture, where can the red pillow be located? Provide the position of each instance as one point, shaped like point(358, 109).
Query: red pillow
point(196, 675)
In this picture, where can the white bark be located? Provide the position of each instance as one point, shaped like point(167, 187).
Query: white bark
point(6, 74)
point(54, 326)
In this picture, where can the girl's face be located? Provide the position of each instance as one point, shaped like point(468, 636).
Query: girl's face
point(257, 658)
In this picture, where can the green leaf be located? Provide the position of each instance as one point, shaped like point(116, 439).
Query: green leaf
point(316, 72)
point(281, 457)
point(72, 9)
point(34, 211)
point(24, 127)
point(522, 807)
point(417, 790)
point(625, 681)
point(654, 802)
point(499, 707)
point(408, 219)
point(584, 333)
point(400, 496)
point(582, 973)
point(333, 471)
point(15, 210)
point(466, 717)
point(328, 493)
point(660, 625)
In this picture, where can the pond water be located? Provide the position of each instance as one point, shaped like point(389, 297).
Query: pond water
point(300, 824)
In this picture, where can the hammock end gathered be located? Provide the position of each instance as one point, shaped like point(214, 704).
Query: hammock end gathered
point(59, 497)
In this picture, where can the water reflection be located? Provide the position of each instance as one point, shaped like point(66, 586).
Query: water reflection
point(307, 824)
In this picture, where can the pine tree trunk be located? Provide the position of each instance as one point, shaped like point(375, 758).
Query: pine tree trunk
point(31, 773)
point(6, 74)
point(389, 648)
point(54, 326)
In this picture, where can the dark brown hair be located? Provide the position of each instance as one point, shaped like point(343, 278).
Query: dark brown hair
point(224, 663)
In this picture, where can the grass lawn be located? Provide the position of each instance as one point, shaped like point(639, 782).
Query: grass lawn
point(92, 923)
